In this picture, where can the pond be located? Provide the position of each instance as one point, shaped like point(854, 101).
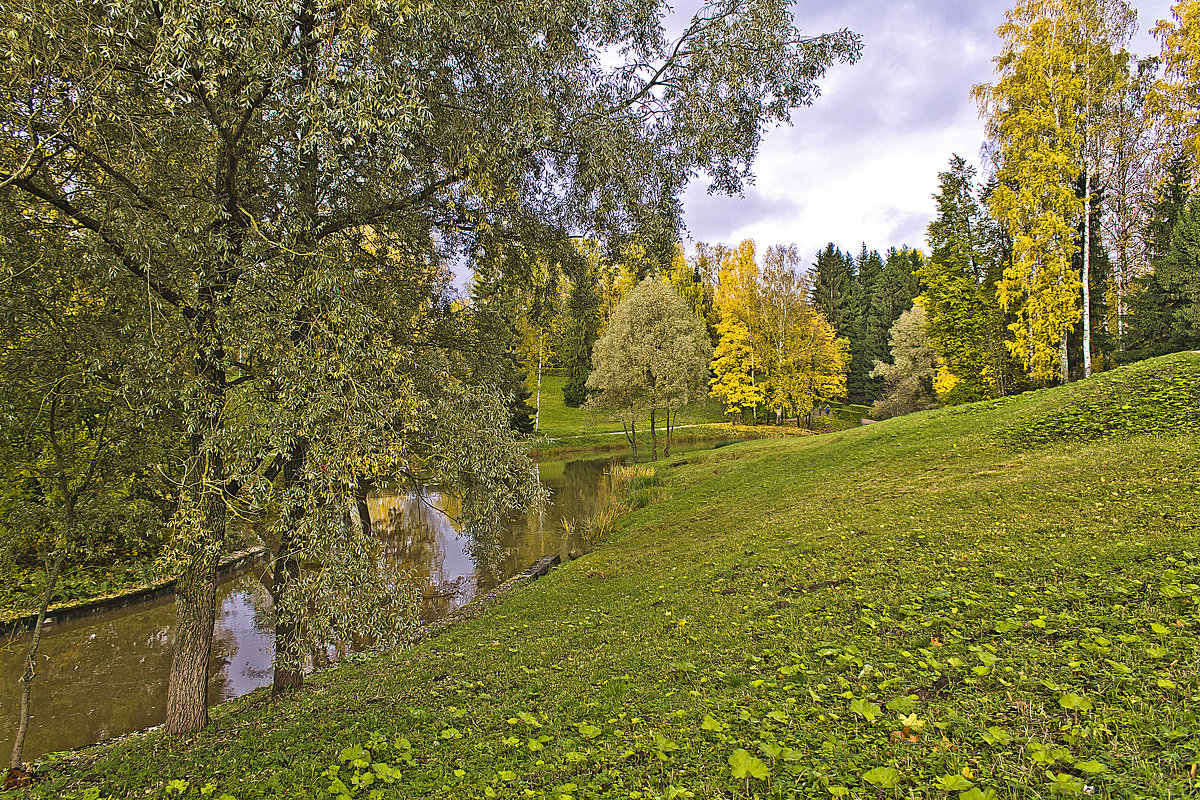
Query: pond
point(107, 675)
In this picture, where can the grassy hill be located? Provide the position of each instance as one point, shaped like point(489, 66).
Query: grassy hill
point(992, 600)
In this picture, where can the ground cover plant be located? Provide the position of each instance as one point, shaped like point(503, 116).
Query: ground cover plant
point(994, 600)
point(23, 586)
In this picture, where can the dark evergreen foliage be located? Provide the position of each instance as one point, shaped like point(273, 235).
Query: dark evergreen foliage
point(495, 361)
point(582, 329)
point(1164, 308)
point(1165, 311)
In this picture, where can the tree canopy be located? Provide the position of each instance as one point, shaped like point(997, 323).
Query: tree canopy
point(281, 185)
point(653, 354)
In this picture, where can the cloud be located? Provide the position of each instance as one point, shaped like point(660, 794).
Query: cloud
point(861, 164)
point(720, 216)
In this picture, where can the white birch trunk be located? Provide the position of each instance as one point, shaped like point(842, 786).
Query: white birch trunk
point(1087, 283)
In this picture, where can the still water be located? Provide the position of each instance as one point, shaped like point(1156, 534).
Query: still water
point(107, 675)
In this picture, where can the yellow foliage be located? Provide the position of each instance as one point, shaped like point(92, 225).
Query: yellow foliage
point(1173, 100)
point(944, 382)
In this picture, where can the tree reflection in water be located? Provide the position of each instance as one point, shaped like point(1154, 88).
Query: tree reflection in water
point(107, 675)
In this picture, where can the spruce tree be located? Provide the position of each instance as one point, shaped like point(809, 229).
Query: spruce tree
point(583, 326)
point(1166, 316)
point(963, 314)
point(868, 339)
point(834, 271)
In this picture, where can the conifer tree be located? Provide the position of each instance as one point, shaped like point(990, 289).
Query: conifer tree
point(834, 272)
point(963, 316)
point(495, 360)
point(1166, 305)
point(868, 338)
point(581, 328)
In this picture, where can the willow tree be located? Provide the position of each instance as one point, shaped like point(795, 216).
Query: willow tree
point(68, 496)
point(231, 159)
point(653, 355)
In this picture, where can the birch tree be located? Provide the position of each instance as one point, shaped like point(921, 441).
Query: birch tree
point(781, 302)
point(1173, 101)
point(1044, 111)
point(733, 369)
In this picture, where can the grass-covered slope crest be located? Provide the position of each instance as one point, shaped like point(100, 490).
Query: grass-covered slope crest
point(1156, 396)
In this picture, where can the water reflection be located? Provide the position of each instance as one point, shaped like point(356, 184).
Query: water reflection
point(107, 675)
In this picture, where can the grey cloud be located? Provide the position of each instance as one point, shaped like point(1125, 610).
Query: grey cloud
point(907, 228)
point(714, 218)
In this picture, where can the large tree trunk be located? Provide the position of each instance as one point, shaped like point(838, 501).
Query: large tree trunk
point(196, 589)
point(289, 638)
point(362, 488)
point(26, 679)
point(196, 603)
point(289, 673)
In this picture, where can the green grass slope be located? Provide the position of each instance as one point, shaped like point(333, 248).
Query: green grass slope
point(997, 600)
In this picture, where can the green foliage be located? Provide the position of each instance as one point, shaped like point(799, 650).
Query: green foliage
point(963, 315)
point(833, 276)
point(1160, 397)
point(745, 766)
point(883, 777)
point(582, 328)
point(1165, 310)
point(910, 376)
point(653, 353)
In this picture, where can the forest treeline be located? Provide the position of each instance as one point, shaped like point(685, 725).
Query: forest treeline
point(1078, 249)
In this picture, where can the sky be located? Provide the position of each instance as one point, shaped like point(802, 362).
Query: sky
point(860, 165)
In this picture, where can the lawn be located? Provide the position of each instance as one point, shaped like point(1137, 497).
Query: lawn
point(996, 600)
point(557, 420)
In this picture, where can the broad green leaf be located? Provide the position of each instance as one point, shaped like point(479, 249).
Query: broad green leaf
point(1073, 702)
point(976, 794)
point(954, 783)
point(745, 765)
point(865, 708)
point(997, 736)
point(883, 777)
